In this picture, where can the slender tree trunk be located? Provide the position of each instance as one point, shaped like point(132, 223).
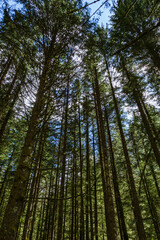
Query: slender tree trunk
point(65, 205)
point(144, 118)
point(33, 190)
point(6, 98)
point(56, 185)
point(95, 189)
point(81, 183)
point(88, 179)
point(101, 160)
point(133, 193)
point(120, 212)
point(2, 189)
point(73, 198)
point(61, 201)
point(155, 178)
point(150, 120)
point(42, 219)
point(39, 222)
point(154, 54)
point(9, 113)
point(17, 197)
point(75, 186)
point(45, 233)
point(148, 195)
point(110, 213)
point(35, 206)
point(5, 70)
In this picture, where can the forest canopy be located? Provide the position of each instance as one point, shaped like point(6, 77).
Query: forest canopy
point(79, 120)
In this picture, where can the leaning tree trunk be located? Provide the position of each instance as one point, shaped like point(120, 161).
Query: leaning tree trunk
point(5, 70)
point(133, 193)
point(7, 97)
point(9, 113)
point(144, 117)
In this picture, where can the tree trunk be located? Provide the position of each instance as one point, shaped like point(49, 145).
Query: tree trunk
point(148, 195)
point(95, 189)
point(56, 185)
point(132, 188)
point(17, 197)
point(65, 205)
point(9, 113)
point(88, 179)
point(120, 212)
point(61, 201)
point(81, 183)
point(144, 118)
point(5, 70)
point(110, 213)
point(3, 186)
point(33, 189)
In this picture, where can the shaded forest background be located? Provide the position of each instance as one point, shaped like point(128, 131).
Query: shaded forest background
point(79, 121)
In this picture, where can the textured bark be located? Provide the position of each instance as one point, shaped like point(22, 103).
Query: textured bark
point(120, 212)
point(132, 188)
point(17, 197)
point(61, 201)
point(110, 213)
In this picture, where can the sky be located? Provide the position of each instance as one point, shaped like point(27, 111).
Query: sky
point(103, 19)
point(105, 11)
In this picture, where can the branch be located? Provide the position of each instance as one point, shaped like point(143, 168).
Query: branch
point(136, 39)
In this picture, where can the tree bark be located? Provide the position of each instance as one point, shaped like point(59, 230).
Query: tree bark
point(81, 181)
point(132, 188)
point(120, 212)
point(110, 213)
point(61, 201)
point(17, 197)
point(95, 189)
